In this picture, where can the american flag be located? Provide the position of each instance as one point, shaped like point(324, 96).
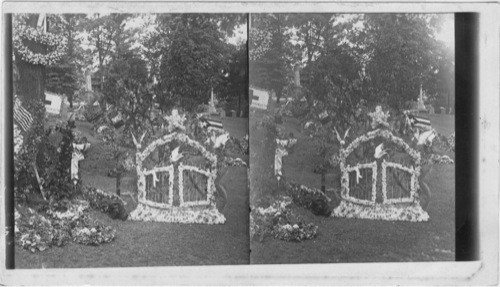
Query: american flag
point(421, 122)
point(21, 115)
point(211, 123)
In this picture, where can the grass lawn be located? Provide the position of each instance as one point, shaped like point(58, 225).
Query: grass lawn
point(357, 240)
point(442, 123)
point(149, 243)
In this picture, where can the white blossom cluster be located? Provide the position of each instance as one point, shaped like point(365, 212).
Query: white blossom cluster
point(187, 212)
point(379, 117)
point(412, 213)
point(175, 121)
point(177, 215)
point(57, 42)
point(389, 209)
point(18, 140)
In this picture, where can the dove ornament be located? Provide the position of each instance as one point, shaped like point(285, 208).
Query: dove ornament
point(175, 155)
point(342, 140)
point(380, 151)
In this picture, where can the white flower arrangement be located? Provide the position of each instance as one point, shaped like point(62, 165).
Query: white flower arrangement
point(57, 42)
point(439, 159)
point(413, 212)
point(107, 195)
point(379, 117)
point(344, 153)
point(277, 207)
point(74, 212)
point(177, 214)
point(175, 121)
point(18, 139)
point(140, 156)
point(186, 212)
point(229, 161)
point(407, 208)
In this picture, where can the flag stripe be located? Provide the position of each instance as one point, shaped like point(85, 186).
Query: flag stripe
point(213, 123)
point(420, 121)
point(21, 115)
point(422, 126)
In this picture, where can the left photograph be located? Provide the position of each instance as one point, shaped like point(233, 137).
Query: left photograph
point(130, 140)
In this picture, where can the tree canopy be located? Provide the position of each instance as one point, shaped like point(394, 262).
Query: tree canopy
point(193, 60)
point(377, 58)
point(349, 63)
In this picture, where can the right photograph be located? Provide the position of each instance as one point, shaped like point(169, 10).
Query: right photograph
point(352, 138)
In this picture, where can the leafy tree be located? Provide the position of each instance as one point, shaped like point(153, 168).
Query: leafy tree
point(271, 52)
point(311, 30)
point(401, 52)
point(333, 90)
point(334, 82)
point(365, 60)
point(151, 40)
point(234, 86)
point(66, 76)
point(193, 61)
point(127, 87)
point(441, 87)
point(107, 38)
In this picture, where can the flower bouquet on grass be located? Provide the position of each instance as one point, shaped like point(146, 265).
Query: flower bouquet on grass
point(38, 231)
point(108, 203)
point(88, 232)
point(34, 232)
point(313, 199)
point(296, 233)
point(279, 221)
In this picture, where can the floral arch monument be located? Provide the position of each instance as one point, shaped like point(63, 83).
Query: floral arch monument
point(380, 176)
point(176, 181)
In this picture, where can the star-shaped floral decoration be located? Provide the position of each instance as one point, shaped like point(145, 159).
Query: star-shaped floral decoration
point(379, 118)
point(175, 121)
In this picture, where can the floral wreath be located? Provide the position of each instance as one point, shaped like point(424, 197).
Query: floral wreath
point(49, 39)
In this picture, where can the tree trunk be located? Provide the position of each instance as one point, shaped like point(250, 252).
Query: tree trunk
point(118, 182)
point(239, 104)
point(323, 180)
point(278, 94)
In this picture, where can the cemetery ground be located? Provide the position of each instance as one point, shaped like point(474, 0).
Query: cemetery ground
point(153, 243)
point(351, 240)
